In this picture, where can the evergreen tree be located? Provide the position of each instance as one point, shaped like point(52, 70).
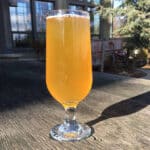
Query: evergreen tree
point(136, 24)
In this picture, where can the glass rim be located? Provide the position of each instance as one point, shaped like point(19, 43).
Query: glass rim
point(56, 12)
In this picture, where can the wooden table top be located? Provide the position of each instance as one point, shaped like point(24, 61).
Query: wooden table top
point(117, 109)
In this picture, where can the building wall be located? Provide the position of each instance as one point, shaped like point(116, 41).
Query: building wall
point(5, 26)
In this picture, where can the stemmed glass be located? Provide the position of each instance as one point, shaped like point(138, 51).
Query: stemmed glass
point(68, 68)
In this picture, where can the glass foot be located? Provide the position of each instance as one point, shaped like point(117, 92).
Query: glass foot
point(70, 132)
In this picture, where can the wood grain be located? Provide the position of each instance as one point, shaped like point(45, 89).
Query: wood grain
point(117, 109)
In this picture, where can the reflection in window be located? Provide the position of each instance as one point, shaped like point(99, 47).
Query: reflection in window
point(42, 8)
point(75, 7)
point(20, 16)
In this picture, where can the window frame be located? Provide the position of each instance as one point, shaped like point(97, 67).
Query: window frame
point(33, 31)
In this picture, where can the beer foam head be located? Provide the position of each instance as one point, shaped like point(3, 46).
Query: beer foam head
point(68, 15)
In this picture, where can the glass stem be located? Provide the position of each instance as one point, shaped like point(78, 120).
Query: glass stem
point(70, 118)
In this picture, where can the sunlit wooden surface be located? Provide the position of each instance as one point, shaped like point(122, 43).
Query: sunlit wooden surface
point(117, 109)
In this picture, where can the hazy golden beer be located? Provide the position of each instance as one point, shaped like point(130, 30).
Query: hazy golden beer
point(68, 58)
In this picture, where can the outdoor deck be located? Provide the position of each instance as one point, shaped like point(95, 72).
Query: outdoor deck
point(117, 109)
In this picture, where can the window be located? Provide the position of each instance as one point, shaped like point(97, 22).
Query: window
point(75, 7)
point(95, 21)
point(42, 8)
point(96, 2)
point(20, 18)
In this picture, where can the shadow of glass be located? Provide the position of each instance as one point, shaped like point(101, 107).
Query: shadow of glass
point(123, 108)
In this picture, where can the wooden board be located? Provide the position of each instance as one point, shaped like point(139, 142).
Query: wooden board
point(117, 108)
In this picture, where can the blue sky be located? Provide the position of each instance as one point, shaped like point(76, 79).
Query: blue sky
point(117, 3)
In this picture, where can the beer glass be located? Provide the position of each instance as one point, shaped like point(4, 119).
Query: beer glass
point(68, 68)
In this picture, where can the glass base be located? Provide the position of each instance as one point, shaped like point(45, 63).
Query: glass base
point(70, 132)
